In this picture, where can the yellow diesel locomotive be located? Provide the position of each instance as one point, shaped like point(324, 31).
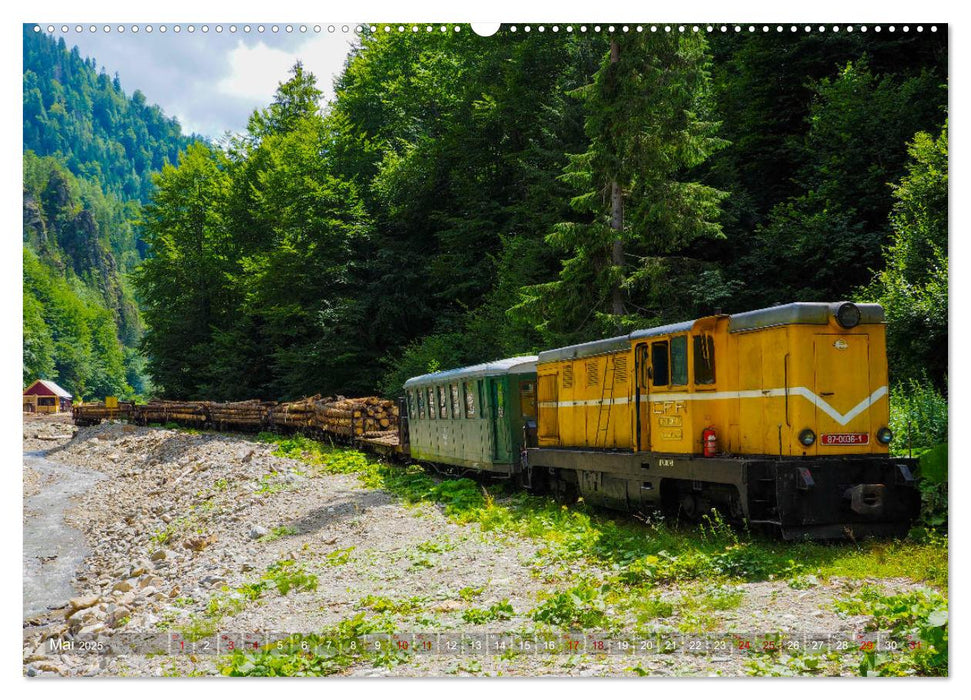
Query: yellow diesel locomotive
point(777, 416)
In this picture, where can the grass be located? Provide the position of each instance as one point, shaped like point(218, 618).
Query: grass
point(324, 654)
point(658, 551)
point(632, 557)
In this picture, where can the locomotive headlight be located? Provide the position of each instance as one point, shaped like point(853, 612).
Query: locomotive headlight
point(884, 436)
point(848, 315)
point(807, 437)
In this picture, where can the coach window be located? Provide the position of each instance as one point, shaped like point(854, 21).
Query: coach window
point(456, 413)
point(469, 400)
point(704, 364)
point(421, 403)
point(411, 405)
point(442, 402)
point(659, 363)
point(679, 360)
point(500, 401)
point(432, 410)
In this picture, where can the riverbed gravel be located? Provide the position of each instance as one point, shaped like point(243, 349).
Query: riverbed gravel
point(184, 521)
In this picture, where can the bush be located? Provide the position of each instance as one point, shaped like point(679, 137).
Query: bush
point(918, 417)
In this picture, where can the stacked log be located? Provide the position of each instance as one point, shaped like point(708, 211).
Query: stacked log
point(94, 413)
point(357, 417)
point(295, 416)
point(189, 413)
point(252, 415)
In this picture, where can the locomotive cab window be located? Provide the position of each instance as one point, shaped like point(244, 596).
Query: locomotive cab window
point(704, 359)
point(679, 360)
point(659, 363)
point(469, 400)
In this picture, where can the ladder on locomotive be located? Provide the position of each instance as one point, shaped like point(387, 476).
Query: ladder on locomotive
point(605, 405)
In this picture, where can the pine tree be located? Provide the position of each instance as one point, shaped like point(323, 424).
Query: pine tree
point(647, 121)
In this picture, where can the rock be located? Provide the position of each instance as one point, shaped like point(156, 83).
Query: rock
point(122, 586)
point(213, 581)
point(160, 555)
point(330, 540)
point(76, 604)
point(141, 567)
point(92, 629)
point(257, 531)
point(150, 582)
point(245, 455)
point(166, 518)
point(175, 592)
point(199, 543)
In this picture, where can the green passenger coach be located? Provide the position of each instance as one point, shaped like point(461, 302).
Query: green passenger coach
point(473, 417)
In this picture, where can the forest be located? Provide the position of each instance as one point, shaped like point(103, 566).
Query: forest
point(464, 199)
point(454, 204)
point(90, 152)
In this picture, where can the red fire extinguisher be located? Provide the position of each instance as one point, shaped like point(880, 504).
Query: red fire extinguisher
point(709, 442)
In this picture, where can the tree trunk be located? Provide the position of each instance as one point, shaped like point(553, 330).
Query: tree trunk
point(616, 223)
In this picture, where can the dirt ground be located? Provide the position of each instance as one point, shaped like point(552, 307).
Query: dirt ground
point(184, 520)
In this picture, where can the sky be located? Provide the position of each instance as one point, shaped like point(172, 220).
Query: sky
point(212, 81)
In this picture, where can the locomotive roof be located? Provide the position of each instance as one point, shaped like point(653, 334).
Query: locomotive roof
point(818, 313)
point(511, 365)
point(798, 312)
point(595, 347)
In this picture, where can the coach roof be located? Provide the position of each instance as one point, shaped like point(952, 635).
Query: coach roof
point(511, 365)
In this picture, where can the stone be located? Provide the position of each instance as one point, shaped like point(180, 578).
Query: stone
point(175, 592)
point(122, 587)
point(257, 531)
point(81, 603)
point(160, 555)
point(150, 582)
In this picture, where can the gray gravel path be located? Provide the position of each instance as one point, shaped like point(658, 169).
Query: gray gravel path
point(53, 550)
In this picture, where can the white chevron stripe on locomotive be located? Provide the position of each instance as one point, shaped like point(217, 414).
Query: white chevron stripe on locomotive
point(820, 403)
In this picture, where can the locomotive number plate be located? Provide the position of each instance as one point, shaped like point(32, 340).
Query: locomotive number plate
point(844, 439)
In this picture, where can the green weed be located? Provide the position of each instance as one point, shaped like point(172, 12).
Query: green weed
point(324, 654)
point(497, 611)
point(917, 621)
point(287, 575)
point(582, 606)
point(278, 532)
point(339, 557)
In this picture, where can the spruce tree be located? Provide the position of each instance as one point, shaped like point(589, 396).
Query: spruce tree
point(647, 123)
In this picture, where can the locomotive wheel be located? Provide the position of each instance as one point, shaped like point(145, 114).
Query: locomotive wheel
point(690, 508)
point(564, 492)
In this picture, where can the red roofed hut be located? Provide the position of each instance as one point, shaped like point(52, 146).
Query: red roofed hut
point(44, 396)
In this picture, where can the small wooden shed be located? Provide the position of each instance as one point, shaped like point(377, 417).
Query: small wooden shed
point(44, 396)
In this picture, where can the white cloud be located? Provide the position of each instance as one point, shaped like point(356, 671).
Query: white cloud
point(257, 70)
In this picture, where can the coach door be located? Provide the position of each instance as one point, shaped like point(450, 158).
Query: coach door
point(642, 416)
